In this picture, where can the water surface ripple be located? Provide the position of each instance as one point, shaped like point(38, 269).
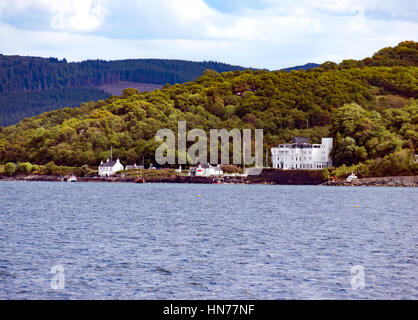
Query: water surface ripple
point(163, 241)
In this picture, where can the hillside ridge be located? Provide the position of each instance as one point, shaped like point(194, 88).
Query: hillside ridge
point(370, 111)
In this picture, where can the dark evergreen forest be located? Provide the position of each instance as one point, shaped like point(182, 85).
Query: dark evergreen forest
point(33, 85)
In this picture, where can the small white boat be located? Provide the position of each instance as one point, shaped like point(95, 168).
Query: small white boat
point(72, 178)
point(351, 177)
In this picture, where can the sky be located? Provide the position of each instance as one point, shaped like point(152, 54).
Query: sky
point(271, 34)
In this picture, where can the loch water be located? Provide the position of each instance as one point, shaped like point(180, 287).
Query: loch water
point(194, 241)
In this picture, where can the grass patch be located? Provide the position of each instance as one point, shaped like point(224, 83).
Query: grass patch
point(150, 174)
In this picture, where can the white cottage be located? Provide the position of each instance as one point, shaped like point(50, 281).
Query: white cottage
point(109, 168)
point(302, 155)
point(206, 170)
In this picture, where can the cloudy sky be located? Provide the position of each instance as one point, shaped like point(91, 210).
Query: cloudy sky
point(255, 33)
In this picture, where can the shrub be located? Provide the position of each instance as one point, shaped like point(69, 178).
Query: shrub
point(325, 174)
point(129, 92)
point(9, 169)
point(82, 171)
point(230, 168)
point(24, 168)
point(50, 168)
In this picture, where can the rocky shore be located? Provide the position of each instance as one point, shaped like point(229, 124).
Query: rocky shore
point(266, 178)
point(395, 181)
point(177, 179)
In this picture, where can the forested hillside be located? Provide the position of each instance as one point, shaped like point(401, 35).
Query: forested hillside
point(32, 103)
point(32, 73)
point(371, 112)
point(23, 78)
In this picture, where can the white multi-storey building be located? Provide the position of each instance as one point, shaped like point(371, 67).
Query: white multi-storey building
point(302, 155)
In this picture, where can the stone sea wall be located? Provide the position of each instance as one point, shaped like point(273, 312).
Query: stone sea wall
point(292, 177)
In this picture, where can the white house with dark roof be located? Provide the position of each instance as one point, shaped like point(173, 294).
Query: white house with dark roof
point(206, 170)
point(109, 168)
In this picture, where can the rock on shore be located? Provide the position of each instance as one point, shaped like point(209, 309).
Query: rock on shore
point(395, 181)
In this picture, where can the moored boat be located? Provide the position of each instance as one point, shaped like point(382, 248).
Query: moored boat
point(140, 180)
point(351, 177)
point(72, 178)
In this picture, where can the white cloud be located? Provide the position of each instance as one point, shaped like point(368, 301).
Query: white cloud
point(282, 34)
point(385, 9)
point(78, 15)
point(68, 15)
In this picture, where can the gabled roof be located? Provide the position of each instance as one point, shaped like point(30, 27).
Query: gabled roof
point(108, 164)
point(134, 166)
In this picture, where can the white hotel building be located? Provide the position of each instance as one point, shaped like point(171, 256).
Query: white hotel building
point(301, 155)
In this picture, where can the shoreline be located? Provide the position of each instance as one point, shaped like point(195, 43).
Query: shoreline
point(393, 181)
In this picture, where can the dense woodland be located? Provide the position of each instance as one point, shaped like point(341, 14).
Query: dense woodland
point(15, 106)
point(32, 73)
point(32, 85)
point(368, 106)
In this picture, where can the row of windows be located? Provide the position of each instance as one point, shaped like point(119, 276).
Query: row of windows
point(303, 166)
point(307, 147)
point(293, 152)
point(297, 158)
point(307, 166)
point(106, 168)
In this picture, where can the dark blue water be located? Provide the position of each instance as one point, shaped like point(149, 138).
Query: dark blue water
point(163, 241)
